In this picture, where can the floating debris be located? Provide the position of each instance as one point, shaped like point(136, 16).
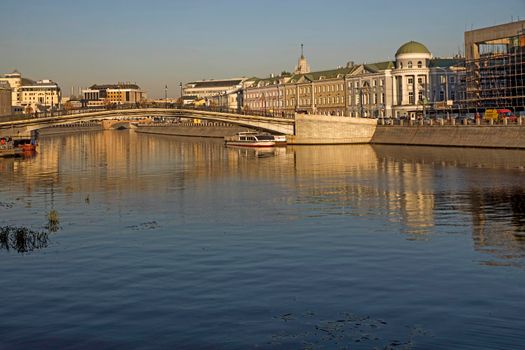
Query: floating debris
point(53, 221)
point(22, 239)
point(363, 332)
point(150, 225)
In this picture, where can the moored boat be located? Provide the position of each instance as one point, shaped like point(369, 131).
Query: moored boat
point(28, 144)
point(8, 148)
point(250, 139)
point(280, 140)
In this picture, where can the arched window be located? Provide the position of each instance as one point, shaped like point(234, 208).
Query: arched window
point(400, 65)
point(419, 64)
point(409, 64)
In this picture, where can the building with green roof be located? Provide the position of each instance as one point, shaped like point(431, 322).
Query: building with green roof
point(382, 89)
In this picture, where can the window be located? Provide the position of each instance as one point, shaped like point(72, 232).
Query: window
point(400, 65)
point(452, 80)
point(420, 96)
point(420, 80)
point(411, 98)
point(419, 64)
point(441, 95)
point(409, 64)
point(410, 81)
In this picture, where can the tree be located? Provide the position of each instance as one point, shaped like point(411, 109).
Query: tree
point(68, 106)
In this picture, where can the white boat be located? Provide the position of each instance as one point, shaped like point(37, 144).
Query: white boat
point(250, 139)
point(280, 140)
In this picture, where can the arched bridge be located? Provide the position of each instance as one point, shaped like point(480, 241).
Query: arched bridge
point(275, 125)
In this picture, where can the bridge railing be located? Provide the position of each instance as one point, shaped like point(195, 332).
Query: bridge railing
point(63, 112)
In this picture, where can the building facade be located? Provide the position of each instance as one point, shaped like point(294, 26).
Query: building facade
point(495, 67)
point(15, 81)
point(204, 89)
point(119, 94)
point(5, 99)
point(448, 83)
point(40, 96)
point(400, 88)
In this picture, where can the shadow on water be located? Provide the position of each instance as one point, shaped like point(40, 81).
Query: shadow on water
point(22, 239)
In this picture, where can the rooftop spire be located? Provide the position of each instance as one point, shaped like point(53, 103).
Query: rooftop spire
point(302, 65)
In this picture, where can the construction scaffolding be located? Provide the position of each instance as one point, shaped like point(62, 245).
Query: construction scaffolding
point(496, 78)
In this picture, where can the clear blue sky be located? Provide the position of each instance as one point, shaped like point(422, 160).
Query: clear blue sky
point(154, 43)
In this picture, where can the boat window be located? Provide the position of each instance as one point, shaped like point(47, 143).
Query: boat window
point(265, 138)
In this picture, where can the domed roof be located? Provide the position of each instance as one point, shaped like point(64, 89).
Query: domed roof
point(412, 47)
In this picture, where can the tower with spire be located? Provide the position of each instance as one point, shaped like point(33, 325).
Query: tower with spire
point(302, 66)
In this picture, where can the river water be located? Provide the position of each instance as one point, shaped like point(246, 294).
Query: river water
point(181, 243)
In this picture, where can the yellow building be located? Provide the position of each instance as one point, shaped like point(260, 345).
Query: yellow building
point(121, 93)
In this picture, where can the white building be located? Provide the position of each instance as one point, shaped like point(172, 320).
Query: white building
point(40, 96)
point(411, 79)
point(448, 83)
point(15, 81)
point(208, 88)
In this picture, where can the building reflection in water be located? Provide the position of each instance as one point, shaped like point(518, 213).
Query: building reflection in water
point(416, 189)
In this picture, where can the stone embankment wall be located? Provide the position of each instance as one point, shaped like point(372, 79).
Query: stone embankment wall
point(71, 128)
point(322, 129)
point(489, 136)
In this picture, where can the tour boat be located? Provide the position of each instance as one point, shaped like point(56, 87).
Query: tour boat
point(250, 139)
point(280, 140)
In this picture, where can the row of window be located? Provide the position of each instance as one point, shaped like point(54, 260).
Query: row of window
point(410, 65)
point(319, 89)
point(366, 99)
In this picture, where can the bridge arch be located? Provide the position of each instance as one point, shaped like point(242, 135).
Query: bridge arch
point(274, 125)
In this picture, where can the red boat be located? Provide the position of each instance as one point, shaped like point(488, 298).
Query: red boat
point(28, 144)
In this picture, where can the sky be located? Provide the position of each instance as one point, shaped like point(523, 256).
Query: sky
point(156, 43)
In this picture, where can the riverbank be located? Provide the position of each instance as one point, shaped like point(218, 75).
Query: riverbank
point(480, 136)
point(72, 128)
point(342, 130)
